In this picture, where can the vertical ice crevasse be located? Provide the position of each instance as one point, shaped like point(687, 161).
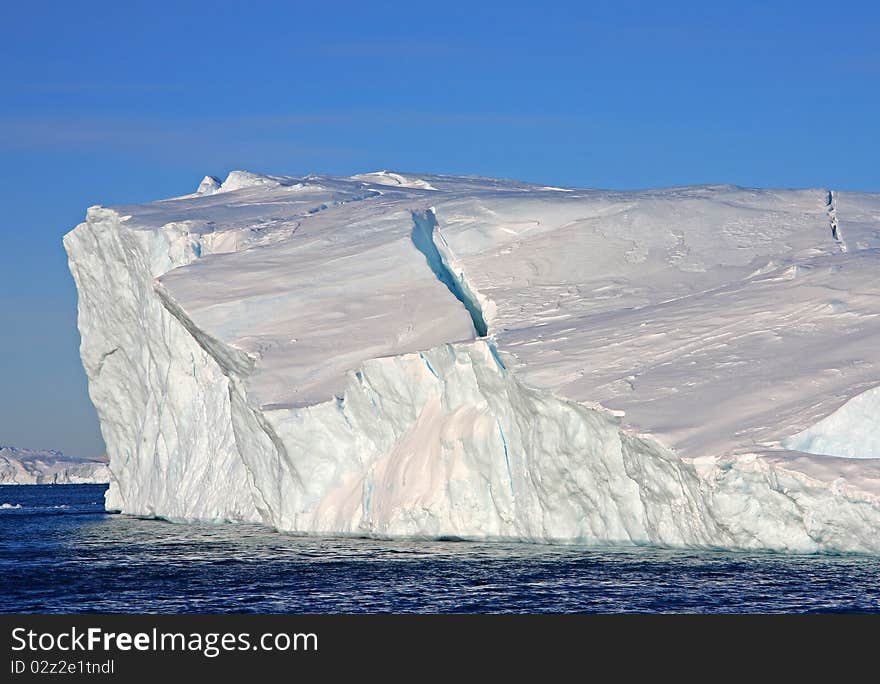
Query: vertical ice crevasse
point(424, 234)
point(831, 208)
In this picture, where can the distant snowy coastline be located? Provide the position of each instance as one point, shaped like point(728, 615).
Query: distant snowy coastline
point(30, 466)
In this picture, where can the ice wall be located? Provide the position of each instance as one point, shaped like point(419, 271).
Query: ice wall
point(163, 402)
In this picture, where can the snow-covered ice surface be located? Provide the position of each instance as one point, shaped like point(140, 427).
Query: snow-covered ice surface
point(432, 356)
point(31, 466)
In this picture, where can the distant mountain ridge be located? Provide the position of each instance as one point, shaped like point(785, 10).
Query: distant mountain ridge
point(50, 466)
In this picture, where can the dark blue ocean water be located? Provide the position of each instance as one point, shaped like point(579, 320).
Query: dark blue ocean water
point(59, 552)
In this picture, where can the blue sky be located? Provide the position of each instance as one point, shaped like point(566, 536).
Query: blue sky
point(112, 102)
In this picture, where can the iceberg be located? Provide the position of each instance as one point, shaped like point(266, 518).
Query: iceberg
point(31, 466)
point(425, 356)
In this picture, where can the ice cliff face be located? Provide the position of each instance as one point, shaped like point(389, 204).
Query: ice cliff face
point(29, 466)
point(455, 357)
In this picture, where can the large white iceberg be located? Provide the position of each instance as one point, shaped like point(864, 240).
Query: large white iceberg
point(437, 356)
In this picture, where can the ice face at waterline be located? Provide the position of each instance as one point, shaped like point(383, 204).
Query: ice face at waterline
point(436, 356)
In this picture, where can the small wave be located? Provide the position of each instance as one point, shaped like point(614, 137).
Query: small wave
point(9, 506)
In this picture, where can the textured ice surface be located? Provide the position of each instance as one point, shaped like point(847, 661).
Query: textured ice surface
point(433, 356)
point(30, 466)
point(852, 431)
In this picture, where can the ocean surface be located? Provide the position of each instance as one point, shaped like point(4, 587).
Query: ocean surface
point(60, 552)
